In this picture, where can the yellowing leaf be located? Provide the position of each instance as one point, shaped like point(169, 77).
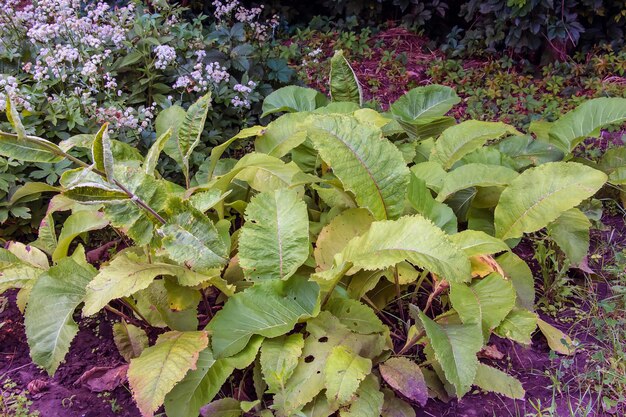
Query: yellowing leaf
point(494, 380)
point(336, 235)
point(474, 175)
point(557, 340)
point(129, 339)
point(279, 358)
point(411, 238)
point(343, 374)
point(153, 374)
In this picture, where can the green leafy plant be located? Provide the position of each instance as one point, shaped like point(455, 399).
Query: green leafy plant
point(309, 241)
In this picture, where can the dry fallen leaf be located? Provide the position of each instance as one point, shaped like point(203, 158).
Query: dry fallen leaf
point(103, 378)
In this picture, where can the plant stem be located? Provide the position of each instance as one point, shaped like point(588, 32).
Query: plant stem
point(396, 279)
point(412, 342)
point(57, 151)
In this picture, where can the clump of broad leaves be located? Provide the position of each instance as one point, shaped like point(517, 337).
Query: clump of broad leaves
point(340, 216)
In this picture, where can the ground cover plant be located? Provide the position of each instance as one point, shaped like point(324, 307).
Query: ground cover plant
point(497, 87)
point(354, 262)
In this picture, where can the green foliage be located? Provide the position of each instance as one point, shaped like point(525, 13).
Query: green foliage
point(305, 240)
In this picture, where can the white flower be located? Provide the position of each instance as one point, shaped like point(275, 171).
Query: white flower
point(165, 55)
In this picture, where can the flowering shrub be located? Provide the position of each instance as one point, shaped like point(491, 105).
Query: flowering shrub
point(70, 66)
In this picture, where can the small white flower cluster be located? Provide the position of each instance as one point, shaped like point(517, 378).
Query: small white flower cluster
point(224, 9)
point(116, 117)
point(260, 31)
point(244, 90)
point(165, 55)
point(70, 41)
point(9, 88)
point(313, 54)
point(203, 77)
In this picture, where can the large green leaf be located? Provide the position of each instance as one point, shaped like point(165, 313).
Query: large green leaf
point(218, 151)
point(31, 188)
point(279, 358)
point(275, 306)
point(487, 301)
point(411, 238)
point(422, 201)
point(101, 152)
point(586, 120)
point(475, 175)
point(190, 238)
point(171, 118)
point(127, 216)
point(458, 141)
point(474, 242)
point(525, 151)
point(344, 372)
point(423, 102)
point(521, 277)
point(455, 348)
point(356, 316)
point(344, 85)
point(201, 385)
point(494, 380)
point(190, 130)
point(31, 149)
point(571, 232)
point(405, 377)
point(432, 173)
point(518, 325)
point(224, 407)
point(395, 407)
point(367, 164)
point(263, 173)
point(76, 224)
point(274, 241)
point(282, 135)
point(50, 327)
point(292, 99)
point(95, 193)
point(160, 367)
point(613, 163)
point(540, 195)
point(155, 151)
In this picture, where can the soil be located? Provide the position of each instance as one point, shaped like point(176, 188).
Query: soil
point(61, 396)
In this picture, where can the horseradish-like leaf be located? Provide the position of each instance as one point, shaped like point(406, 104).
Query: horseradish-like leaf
point(160, 367)
point(274, 241)
point(540, 195)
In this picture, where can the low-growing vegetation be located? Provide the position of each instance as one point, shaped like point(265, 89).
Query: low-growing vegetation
point(233, 245)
